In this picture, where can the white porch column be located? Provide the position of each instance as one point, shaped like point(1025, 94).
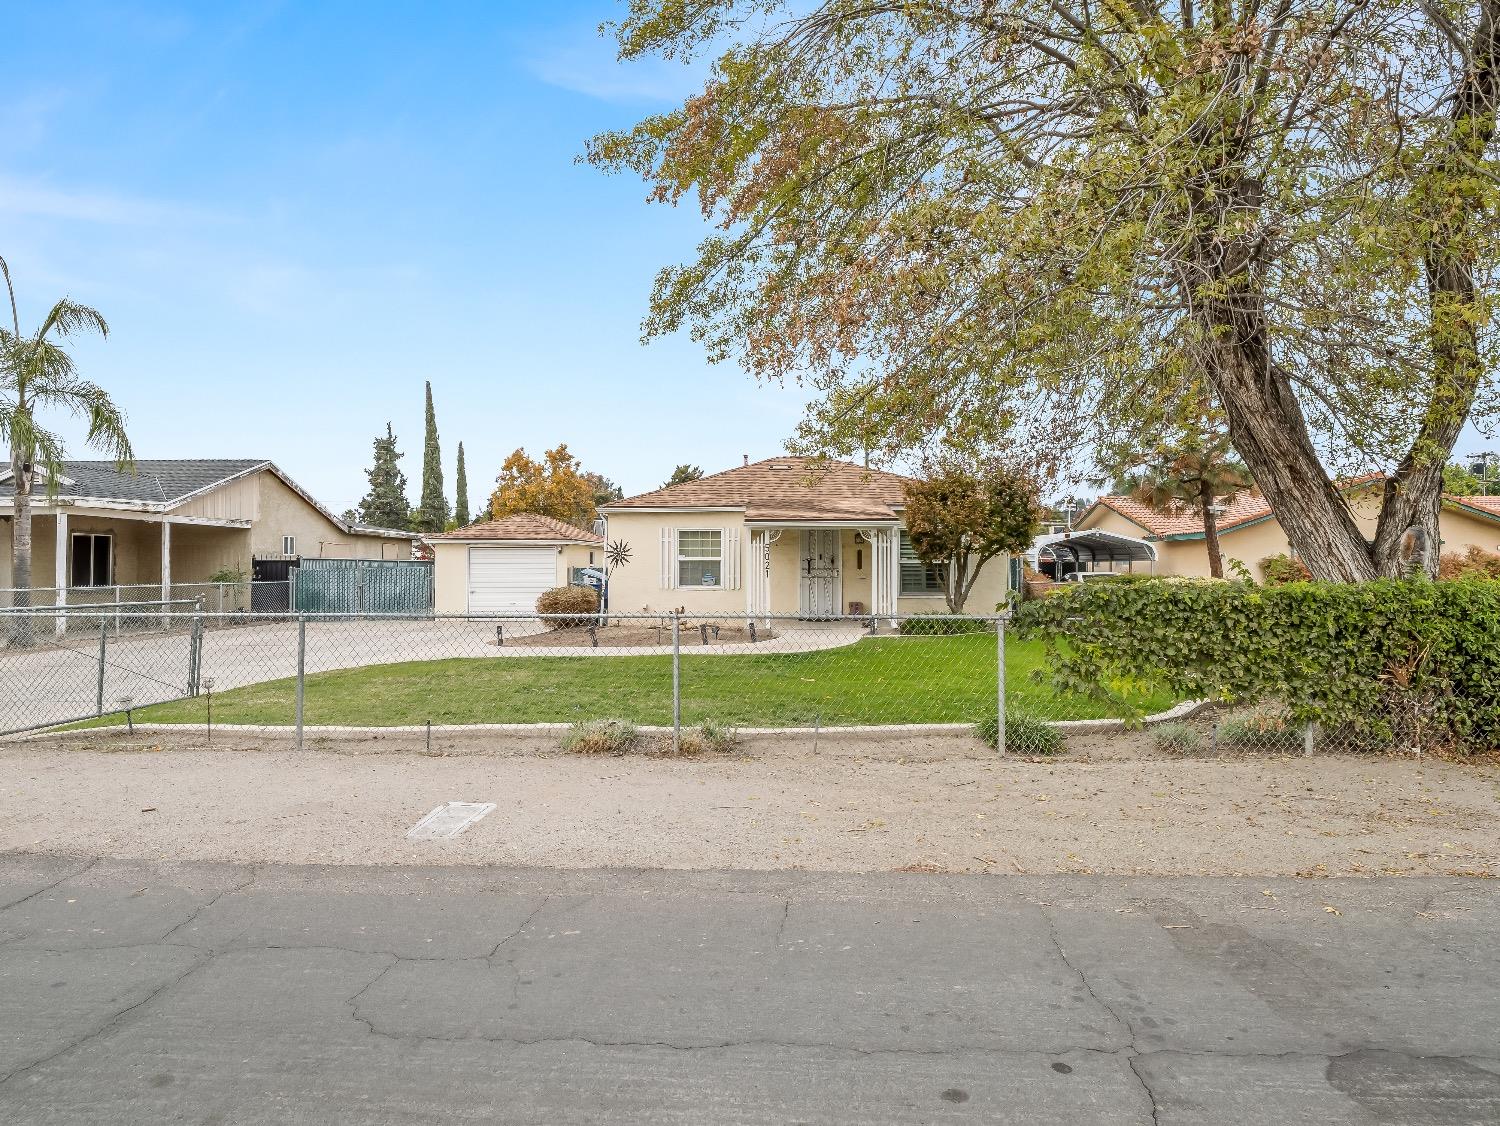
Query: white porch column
point(166, 560)
point(60, 568)
point(893, 572)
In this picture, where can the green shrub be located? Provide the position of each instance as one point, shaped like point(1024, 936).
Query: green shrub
point(1413, 662)
point(1282, 569)
point(944, 625)
point(580, 600)
point(601, 737)
point(1024, 735)
point(1262, 730)
point(1176, 737)
point(709, 737)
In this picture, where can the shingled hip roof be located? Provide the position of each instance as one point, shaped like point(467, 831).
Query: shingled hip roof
point(530, 526)
point(784, 489)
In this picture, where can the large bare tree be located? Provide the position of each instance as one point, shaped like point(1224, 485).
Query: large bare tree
point(1046, 224)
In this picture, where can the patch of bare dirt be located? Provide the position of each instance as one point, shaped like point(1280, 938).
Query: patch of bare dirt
point(1112, 804)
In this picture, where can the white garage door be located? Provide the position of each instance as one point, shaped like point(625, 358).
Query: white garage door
point(507, 580)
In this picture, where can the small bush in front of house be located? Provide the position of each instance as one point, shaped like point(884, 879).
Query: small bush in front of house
point(943, 625)
point(1176, 737)
point(1261, 731)
point(601, 737)
point(1024, 735)
point(709, 737)
point(1476, 563)
point(1282, 569)
point(580, 600)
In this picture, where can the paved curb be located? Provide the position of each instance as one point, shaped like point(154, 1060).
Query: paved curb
point(1066, 726)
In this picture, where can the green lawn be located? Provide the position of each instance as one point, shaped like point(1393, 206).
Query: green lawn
point(876, 680)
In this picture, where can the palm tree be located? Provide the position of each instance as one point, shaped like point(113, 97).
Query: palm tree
point(37, 374)
point(1194, 474)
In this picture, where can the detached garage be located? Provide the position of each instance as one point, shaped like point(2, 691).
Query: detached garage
point(502, 566)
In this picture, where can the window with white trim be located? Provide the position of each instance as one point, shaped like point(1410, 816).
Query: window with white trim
point(289, 545)
point(93, 560)
point(700, 558)
point(918, 577)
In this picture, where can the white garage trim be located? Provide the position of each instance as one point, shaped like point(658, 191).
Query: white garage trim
point(508, 580)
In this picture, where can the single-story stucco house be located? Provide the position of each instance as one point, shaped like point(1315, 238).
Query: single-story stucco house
point(1250, 532)
point(172, 522)
point(502, 566)
point(795, 536)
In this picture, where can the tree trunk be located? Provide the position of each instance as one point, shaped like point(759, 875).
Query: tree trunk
point(1211, 531)
point(20, 569)
point(1269, 431)
point(1451, 208)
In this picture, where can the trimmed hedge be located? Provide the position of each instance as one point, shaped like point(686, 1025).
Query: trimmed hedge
point(1403, 662)
point(943, 625)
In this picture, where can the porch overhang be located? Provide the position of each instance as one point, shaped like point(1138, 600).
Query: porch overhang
point(827, 525)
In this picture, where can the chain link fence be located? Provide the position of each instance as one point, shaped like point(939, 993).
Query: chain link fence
point(399, 676)
point(124, 603)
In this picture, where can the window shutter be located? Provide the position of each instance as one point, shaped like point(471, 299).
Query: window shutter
point(729, 541)
point(669, 558)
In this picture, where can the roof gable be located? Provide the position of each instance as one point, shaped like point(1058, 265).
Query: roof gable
point(785, 488)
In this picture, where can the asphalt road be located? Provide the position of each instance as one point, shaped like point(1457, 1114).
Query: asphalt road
point(157, 994)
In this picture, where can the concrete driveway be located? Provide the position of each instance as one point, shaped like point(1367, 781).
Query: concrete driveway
point(166, 993)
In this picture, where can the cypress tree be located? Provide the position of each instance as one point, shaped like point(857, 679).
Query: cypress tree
point(432, 513)
point(461, 501)
point(385, 505)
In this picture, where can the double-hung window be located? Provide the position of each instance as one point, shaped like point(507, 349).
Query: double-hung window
point(918, 577)
point(93, 560)
point(700, 558)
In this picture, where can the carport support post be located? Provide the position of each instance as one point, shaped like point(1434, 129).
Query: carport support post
point(301, 672)
point(676, 682)
point(1000, 684)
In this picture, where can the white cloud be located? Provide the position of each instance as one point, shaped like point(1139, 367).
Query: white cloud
point(41, 200)
point(585, 63)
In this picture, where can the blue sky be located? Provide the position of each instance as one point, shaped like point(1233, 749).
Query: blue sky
point(292, 214)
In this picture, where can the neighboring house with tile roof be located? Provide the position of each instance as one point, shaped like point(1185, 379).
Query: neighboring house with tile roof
point(793, 536)
point(502, 566)
point(175, 522)
point(1249, 531)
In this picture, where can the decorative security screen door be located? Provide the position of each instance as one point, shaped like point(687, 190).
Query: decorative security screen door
point(819, 574)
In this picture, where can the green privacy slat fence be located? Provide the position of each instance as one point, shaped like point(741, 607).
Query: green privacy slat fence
point(362, 586)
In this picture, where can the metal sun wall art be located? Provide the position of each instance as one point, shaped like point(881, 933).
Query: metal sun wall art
point(617, 553)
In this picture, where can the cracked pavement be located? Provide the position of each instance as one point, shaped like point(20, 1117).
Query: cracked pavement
point(140, 992)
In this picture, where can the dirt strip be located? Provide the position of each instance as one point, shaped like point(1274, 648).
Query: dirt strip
point(855, 803)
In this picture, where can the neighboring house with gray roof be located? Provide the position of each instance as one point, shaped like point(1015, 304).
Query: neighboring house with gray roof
point(176, 522)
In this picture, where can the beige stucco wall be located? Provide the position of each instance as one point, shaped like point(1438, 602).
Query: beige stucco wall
point(283, 512)
point(450, 570)
point(636, 587)
point(197, 551)
point(1460, 531)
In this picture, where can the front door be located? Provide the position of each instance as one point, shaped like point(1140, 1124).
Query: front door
point(819, 574)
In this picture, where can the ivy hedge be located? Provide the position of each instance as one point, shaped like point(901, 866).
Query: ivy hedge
point(1391, 662)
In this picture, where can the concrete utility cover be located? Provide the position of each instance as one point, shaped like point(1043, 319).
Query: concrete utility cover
point(449, 820)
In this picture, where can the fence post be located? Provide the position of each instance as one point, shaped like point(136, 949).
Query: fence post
point(301, 672)
point(1000, 683)
point(103, 642)
point(676, 682)
point(117, 610)
point(195, 651)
